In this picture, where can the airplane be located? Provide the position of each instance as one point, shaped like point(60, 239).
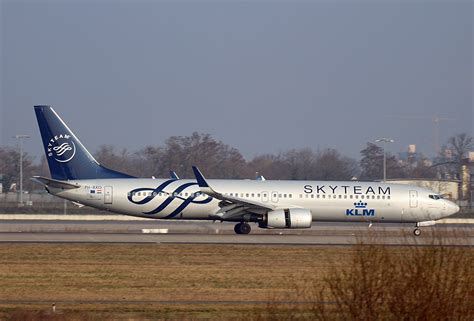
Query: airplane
point(78, 177)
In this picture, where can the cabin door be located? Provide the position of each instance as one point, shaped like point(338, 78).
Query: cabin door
point(413, 199)
point(108, 195)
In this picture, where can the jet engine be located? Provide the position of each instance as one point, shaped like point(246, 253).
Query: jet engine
point(287, 218)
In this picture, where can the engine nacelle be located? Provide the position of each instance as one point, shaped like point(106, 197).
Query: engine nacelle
point(288, 218)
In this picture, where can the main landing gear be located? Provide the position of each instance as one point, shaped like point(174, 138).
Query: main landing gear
point(417, 231)
point(242, 228)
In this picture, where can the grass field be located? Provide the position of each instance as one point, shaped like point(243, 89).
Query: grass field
point(175, 282)
point(80, 277)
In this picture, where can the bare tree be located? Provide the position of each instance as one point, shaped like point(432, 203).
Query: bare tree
point(305, 164)
point(452, 155)
point(371, 164)
point(270, 166)
point(215, 158)
point(331, 165)
point(10, 168)
point(121, 160)
point(460, 145)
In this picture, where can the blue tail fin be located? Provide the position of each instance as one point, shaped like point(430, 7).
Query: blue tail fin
point(67, 158)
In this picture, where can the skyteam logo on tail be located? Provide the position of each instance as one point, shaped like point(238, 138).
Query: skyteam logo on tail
point(360, 210)
point(61, 148)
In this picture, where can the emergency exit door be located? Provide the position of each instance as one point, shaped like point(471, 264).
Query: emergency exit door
point(108, 195)
point(413, 199)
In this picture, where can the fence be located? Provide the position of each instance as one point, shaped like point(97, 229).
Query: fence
point(40, 203)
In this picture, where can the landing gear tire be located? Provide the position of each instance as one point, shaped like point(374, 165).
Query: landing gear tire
point(417, 232)
point(237, 228)
point(242, 228)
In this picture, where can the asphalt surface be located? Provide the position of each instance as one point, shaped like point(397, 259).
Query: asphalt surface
point(189, 232)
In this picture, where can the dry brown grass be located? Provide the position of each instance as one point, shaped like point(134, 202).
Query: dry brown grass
point(116, 278)
point(109, 282)
point(434, 282)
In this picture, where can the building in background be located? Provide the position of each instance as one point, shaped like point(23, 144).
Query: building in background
point(448, 188)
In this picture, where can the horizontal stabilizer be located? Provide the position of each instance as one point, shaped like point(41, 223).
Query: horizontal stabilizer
point(45, 181)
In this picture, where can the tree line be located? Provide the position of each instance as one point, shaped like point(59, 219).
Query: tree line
point(219, 160)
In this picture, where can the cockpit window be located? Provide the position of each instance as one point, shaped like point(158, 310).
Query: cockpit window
point(435, 197)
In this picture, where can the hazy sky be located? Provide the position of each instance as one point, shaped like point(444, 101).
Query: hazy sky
point(262, 76)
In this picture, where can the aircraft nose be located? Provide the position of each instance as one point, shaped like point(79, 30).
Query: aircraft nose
point(456, 208)
point(453, 208)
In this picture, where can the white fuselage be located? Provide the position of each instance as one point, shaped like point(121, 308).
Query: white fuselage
point(327, 200)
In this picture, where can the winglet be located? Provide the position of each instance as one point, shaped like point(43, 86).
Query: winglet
point(200, 178)
point(173, 175)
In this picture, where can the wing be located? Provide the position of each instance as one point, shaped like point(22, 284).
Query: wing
point(231, 207)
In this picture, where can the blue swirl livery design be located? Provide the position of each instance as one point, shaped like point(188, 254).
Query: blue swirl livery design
point(151, 194)
point(360, 210)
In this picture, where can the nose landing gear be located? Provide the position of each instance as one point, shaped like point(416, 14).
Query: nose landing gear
point(242, 228)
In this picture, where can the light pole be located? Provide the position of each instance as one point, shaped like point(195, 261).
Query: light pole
point(384, 141)
point(21, 138)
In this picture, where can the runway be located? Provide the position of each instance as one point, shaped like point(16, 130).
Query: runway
point(188, 232)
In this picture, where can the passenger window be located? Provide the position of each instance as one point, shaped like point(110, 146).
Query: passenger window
point(284, 195)
point(362, 196)
point(345, 196)
point(253, 195)
point(312, 195)
point(340, 196)
point(388, 197)
point(350, 196)
point(324, 196)
point(378, 197)
point(383, 197)
point(290, 196)
point(279, 195)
